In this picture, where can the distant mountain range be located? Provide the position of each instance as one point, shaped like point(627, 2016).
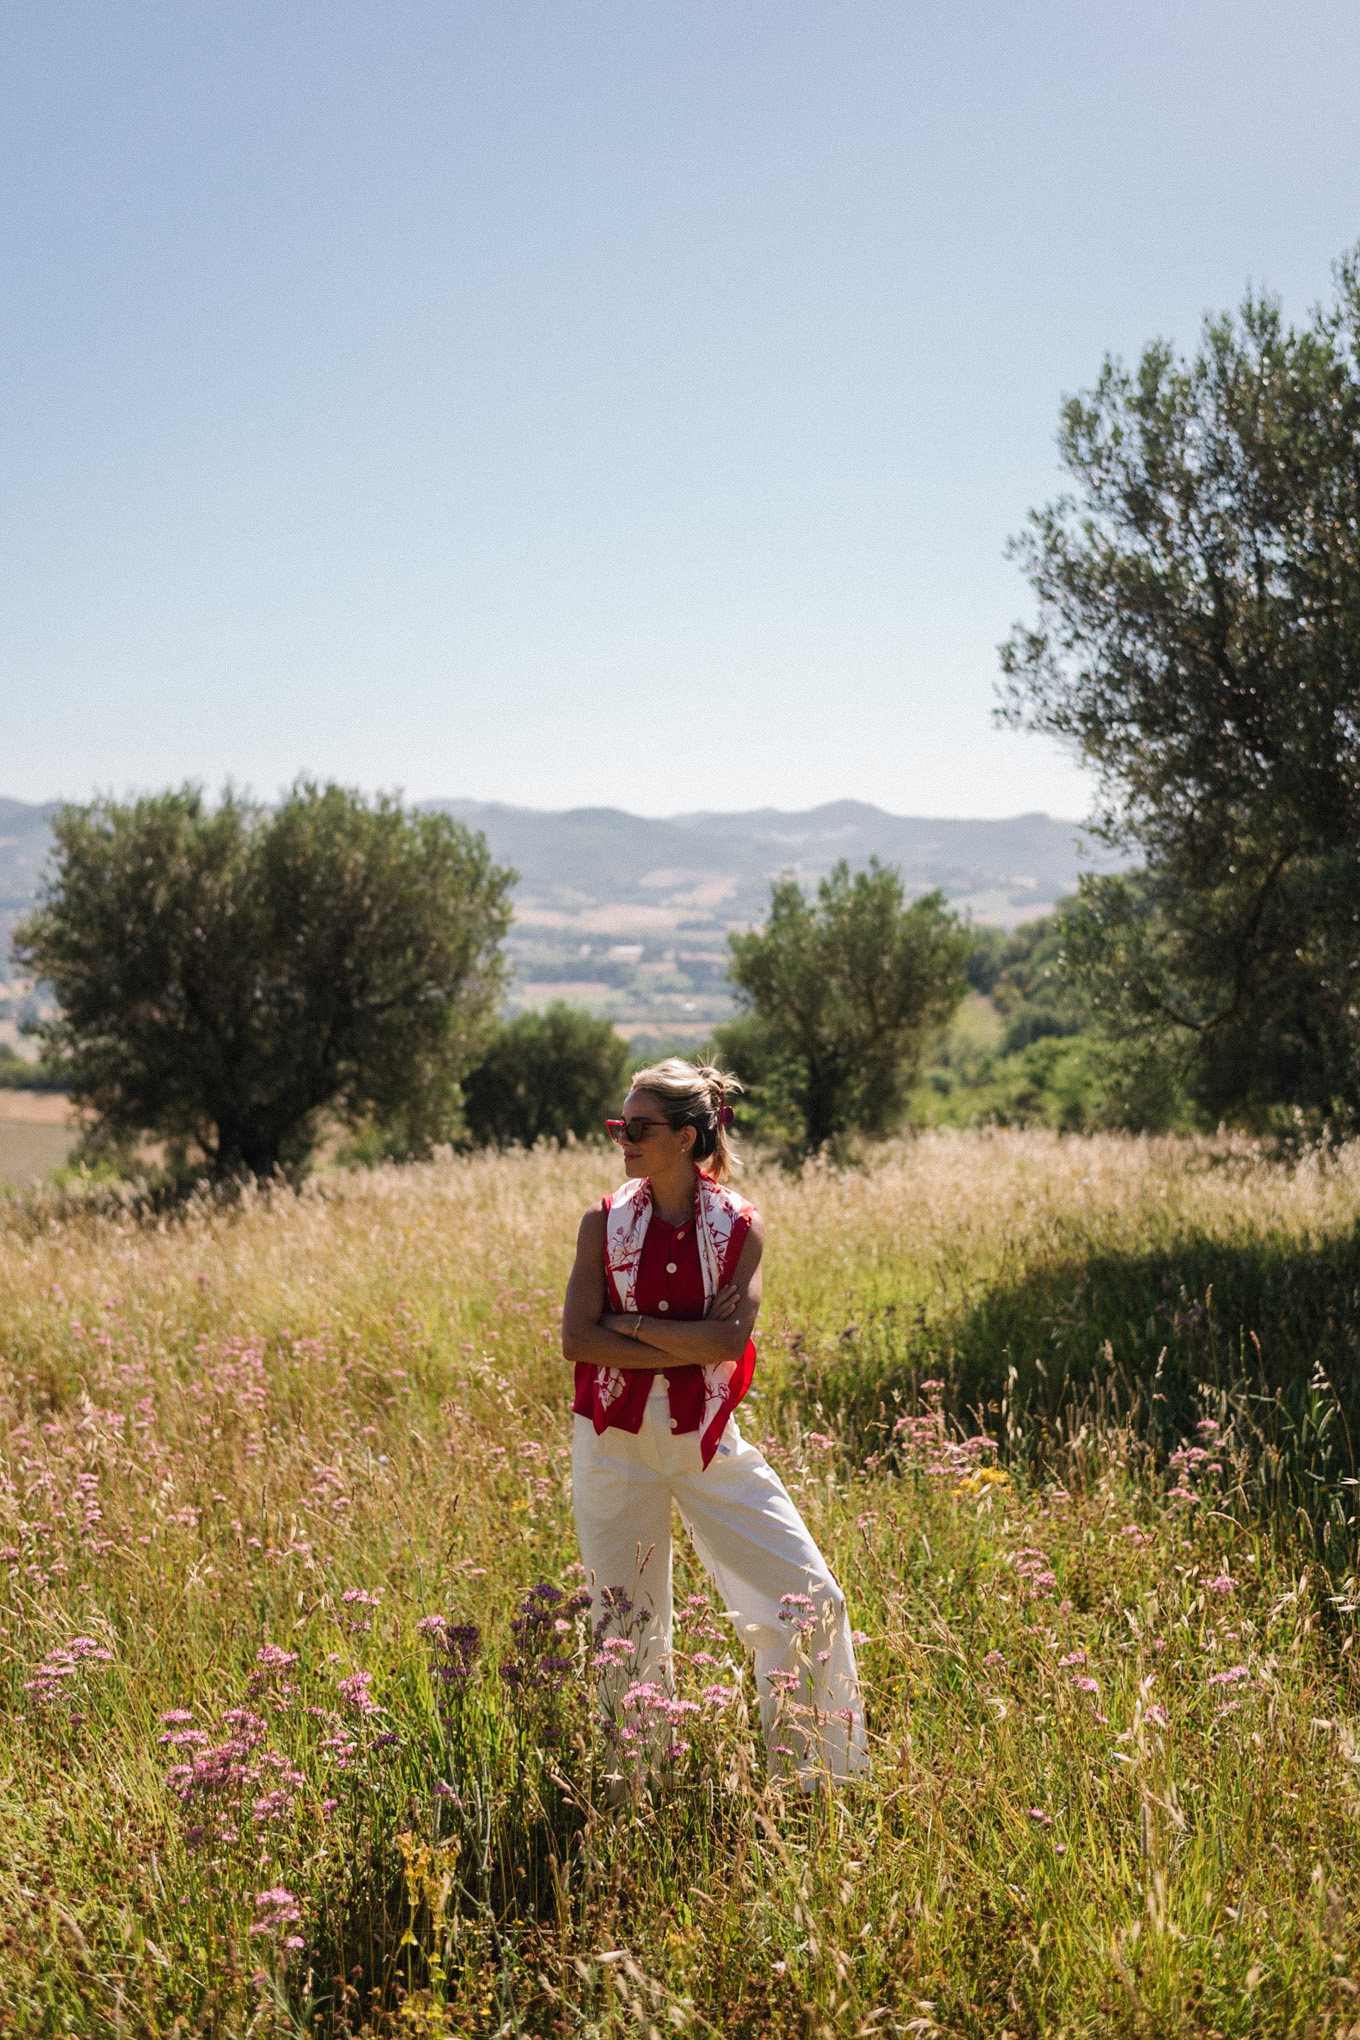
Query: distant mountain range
point(25, 839)
point(599, 871)
point(591, 865)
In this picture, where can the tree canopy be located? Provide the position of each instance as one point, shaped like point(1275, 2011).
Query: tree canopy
point(544, 1076)
point(228, 976)
point(1198, 644)
point(842, 993)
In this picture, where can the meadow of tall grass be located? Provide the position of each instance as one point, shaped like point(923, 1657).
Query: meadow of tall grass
point(301, 1711)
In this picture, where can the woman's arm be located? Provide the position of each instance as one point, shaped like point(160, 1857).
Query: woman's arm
point(722, 1335)
point(584, 1337)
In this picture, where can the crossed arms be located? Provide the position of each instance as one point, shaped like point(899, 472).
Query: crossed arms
point(593, 1332)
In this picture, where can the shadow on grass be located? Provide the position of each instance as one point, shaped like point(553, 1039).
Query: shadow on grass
point(1265, 1334)
point(464, 1907)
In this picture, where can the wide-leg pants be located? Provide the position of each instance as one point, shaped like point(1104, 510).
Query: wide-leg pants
point(756, 1548)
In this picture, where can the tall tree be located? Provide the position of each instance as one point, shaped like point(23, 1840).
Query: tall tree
point(842, 994)
point(229, 976)
point(1198, 644)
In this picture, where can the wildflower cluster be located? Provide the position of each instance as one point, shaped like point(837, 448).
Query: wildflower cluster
point(540, 1629)
point(1194, 1463)
point(62, 1666)
point(800, 1614)
point(1034, 1567)
point(1230, 1688)
point(356, 1599)
point(274, 1910)
point(269, 1682)
point(455, 1648)
point(925, 1447)
point(229, 1783)
point(642, 1720)
point(538, 1672)
point(650, 1718)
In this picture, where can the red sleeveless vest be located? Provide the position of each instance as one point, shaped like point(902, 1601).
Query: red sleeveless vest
point(701, 1398)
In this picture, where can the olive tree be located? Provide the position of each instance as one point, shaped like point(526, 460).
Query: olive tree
point(230, 977)
point(1197, 643)
point(841, 994)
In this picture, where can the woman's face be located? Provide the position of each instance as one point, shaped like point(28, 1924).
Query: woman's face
point(661, 1146)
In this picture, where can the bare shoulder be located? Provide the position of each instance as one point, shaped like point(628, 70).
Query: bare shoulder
point(590, 1232)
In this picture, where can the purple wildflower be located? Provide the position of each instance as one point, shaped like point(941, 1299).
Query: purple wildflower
point(454, 1650)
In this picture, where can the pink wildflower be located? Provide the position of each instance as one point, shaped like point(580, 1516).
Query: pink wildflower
point(274, 1659)
point(276, 1908)
point(355, 1694)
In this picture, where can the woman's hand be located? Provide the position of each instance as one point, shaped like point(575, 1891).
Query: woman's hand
point(590, 1331)
point(723, 1306)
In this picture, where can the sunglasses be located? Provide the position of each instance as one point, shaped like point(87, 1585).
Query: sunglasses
point(630, 1132)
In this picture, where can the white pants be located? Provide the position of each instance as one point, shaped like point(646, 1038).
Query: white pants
point(757, 1549)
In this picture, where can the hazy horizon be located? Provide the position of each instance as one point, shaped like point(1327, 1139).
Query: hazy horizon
point(457, 800)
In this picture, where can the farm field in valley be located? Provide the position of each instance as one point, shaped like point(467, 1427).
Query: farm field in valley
point(298, 1710)
point(36, 1136)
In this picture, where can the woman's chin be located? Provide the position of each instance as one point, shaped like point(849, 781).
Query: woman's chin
point(634, 1167)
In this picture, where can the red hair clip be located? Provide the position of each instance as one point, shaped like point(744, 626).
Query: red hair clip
point(725, 1115)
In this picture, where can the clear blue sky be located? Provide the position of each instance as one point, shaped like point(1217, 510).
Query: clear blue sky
point(576, 403)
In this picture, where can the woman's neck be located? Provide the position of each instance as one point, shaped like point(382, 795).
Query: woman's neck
point(673, 1194)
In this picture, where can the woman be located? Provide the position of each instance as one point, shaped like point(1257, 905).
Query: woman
point(658, 1320)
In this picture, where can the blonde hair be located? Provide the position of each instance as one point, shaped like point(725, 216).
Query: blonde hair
point(699, 1095)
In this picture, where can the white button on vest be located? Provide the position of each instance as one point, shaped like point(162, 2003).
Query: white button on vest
point(670, 1267)
point(663, 1305)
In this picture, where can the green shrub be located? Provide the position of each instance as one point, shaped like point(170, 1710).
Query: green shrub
point(547, 1075)
point(18, 1074)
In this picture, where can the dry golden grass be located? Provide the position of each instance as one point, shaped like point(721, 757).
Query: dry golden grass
point(217, 1424)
